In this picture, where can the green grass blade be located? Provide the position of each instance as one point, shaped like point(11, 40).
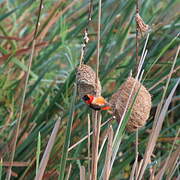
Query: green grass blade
point(38, 152)
point(67, 138)
point(21, 6)
point(1, 166)
point(164, 49)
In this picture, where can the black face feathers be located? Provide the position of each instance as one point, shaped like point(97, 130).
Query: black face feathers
point(86, 98)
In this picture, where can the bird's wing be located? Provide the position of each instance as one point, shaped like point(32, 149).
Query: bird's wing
point(99, 101)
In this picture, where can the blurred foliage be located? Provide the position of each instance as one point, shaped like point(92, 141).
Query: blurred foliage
point(50, 88)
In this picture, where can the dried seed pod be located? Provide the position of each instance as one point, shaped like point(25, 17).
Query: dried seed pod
point(141, 25)
point(86, 81)
point(141, 107)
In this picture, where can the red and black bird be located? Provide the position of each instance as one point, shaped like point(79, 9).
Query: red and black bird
point(96, 103)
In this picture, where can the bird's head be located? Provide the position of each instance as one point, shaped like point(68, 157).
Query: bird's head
point(88, 98)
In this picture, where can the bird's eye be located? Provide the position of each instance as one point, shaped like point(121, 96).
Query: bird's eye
point(86, 98)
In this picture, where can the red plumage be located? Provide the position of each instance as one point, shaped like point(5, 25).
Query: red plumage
point(96, 103)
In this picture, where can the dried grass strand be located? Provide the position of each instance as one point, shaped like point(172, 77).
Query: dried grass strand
point(85, 137)
point(89, 146)
point(82, 173)
point(155, 132)
point(108, 154)
point(97, 115)
point(47, 152)
point(69, 172)
point(162, 170)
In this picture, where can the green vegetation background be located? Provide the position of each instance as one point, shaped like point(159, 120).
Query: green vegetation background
point(52, 76)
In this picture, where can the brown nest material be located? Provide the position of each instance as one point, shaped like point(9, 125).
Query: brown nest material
point(142, 27)
point(86, 81)
point(141, 107)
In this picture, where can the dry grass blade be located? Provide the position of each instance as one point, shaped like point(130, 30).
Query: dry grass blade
point(170, 166)
point(62, 165)
point(95, 143)
point(96, 115)
point(139, 167)
point(169, 163)
point(155, 132)
point(135, 165)
point(152, 172)
point(163, 79)
point(21, 110)
point(137, 43)
point(173, 168)
point(137, 154)
point(16, 164)
point(82, 173)
point(104, 138)
point(89, 146)
point(24, 93)
point(85, 137)
point(159, 117)
point(134, 169)
point(69, 172)
point(108, 154)
point(98, 40)
point(170, 74)
point(47, 152)
point(86, 38)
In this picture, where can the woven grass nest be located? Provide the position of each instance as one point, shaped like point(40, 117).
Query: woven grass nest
point(141, 107)
point(86, 81)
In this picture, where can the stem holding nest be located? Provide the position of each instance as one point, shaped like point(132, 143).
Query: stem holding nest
point(85, 36)
point(96, 115)
point(137, 33)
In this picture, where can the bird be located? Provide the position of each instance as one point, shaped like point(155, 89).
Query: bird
point(97, 103)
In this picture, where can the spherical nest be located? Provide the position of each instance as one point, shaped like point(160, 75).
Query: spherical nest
point(86, 81)
point(141, 107)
